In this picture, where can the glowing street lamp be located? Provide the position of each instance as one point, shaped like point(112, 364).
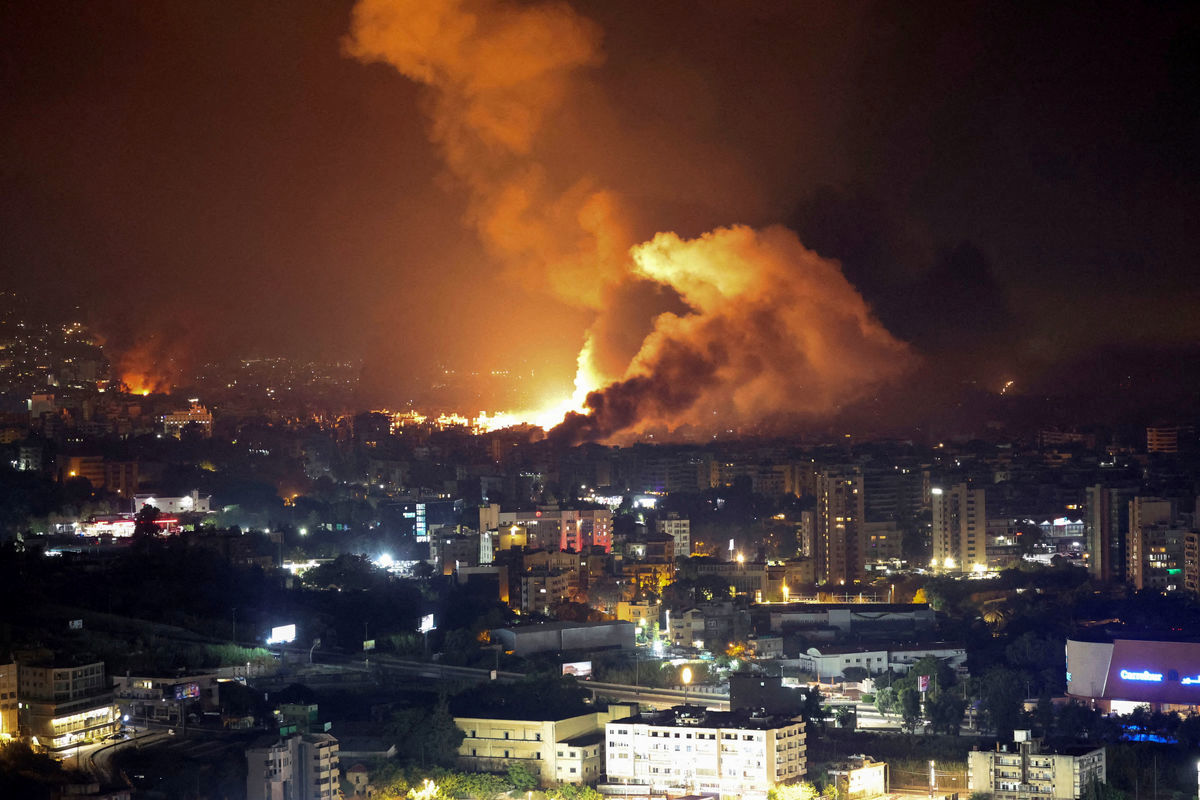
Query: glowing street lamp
point(685, 675)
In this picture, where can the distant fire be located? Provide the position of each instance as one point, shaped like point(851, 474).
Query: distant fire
point(761, 326)
point(142, 384)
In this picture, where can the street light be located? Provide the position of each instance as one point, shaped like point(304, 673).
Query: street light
point(686, 676)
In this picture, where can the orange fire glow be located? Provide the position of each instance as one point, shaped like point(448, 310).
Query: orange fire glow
point(768, 327)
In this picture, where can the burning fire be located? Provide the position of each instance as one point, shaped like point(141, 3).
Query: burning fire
point(762, 326)
point(143, 384)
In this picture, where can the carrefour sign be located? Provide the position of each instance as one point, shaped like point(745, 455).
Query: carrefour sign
point(1144, 675)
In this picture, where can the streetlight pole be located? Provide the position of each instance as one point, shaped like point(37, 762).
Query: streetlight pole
point(686, 676)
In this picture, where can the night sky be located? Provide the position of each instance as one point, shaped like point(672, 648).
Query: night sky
point(1012, 187)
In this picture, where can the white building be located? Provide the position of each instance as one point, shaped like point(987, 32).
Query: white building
point(959, 528)
point(690, 750)
point(297, 768)
point(831, 661)
point(678, 529)
point(198, 415)
point(1021, 771)
point(193, 503)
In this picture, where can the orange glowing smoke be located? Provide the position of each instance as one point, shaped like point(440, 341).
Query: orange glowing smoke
point(769, 329)
point(143, 370)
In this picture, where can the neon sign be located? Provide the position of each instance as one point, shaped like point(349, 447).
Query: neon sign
point(1192, 681)
point(1144, 675)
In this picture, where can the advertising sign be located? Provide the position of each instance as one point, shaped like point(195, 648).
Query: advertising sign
point(368, 644)
point(923, 683)
point(426, 624)
point(580, 669)
point(182, 691)
point(282, 634)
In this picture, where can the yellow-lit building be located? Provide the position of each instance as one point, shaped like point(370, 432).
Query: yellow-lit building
point(62, 706)
point(568, 750)
point(8, 701)
point(859, 778)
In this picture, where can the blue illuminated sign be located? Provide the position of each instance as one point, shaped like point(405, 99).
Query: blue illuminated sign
point(1144, 675)
point(1192, 681)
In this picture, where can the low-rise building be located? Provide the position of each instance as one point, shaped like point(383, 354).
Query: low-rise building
point(558, 636)
point(63, 705)
point(829, 661)
point(859, 778)
point(690, 750)
point(1022, 770)
point(564, 750)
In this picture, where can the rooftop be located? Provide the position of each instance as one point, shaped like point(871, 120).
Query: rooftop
point(699, 717)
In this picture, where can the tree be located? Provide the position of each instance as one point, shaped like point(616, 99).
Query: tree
point(813, 709)
point(145, 522)
point(886, 700)
point(1001, 693)
point(793, 791)
point(846, 718)
point(426, 736)
point(910, 709)
point(521, 778)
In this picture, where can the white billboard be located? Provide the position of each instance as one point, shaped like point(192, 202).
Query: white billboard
point(426, 624)
point(282, 634)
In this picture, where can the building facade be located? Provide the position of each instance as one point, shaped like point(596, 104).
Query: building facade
point(567, 750)
point(959, 529)
point(690, 750)
point(62, 705)
point(301, 767)
point(1023, 771)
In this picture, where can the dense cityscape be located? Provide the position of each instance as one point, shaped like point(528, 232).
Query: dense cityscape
point(574, 400)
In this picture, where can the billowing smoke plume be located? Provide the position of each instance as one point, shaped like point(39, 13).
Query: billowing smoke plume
point(762, 326)
point(774, 329)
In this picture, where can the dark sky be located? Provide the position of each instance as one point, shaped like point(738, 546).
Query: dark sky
point(1011, 186)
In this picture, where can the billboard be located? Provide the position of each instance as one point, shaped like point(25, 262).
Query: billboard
point(282, 634)
point(580, 669)
point(181, 691)
point(426, 624)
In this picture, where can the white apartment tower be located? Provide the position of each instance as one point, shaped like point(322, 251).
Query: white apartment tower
point(959, 528)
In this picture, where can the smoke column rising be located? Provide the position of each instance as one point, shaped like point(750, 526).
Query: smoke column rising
point(769, 328)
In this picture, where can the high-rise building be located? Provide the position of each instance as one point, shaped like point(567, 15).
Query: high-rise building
point(839, 553)
point(688, 750)
point(959, 528)
point(1191, 562)
point(1169, 439)
point(303, 767)
point(8, 701)
point(680, 530)
point(1150, 541)
point(1107, 529)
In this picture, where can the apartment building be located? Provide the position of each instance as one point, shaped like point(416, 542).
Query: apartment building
point(62, 705)
point(1022, 770)
point(690, 750)
point(304, 767)
point(8, 701)
point(562, 750)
